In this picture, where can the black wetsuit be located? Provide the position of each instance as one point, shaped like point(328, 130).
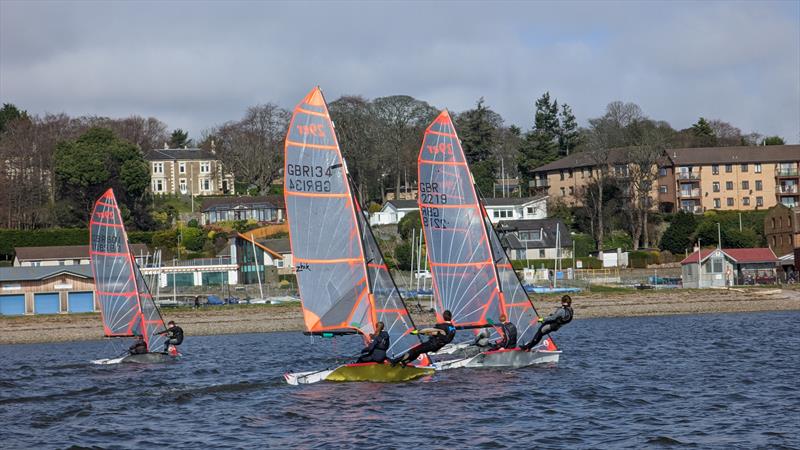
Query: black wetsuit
point(434, 343)
point(138, 348)
point(376, 350)
point(553, 322)
point(509, 331)
point(174, 336)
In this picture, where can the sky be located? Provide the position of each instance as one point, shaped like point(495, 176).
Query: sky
point(197, 64)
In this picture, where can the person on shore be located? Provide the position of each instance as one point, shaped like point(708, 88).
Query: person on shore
point(196, 301)
point(508, 333)
point(377, 348)
point(553, 322)
point(139, 346)
point(439, 335)
point(174, 335)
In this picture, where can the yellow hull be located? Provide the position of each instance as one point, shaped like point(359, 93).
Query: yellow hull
point(379, 373)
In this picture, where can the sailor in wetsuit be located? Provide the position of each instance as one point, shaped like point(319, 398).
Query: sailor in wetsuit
point(553, 322)
point(376, 350)
point(440, 335)
point(174, 335)
point(139, 347)
point(509, 334)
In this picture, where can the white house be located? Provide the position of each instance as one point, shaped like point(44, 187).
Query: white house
point(535, 239)
point(516, 208)
point(392, 211)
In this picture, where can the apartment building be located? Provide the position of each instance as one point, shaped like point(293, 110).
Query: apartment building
point(188, 171)
point(692, 179)
point(782, 229)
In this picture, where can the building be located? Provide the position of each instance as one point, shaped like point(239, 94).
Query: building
point(691, 179)
point(282, 247)
point(729, 266)
point(782, 229)
point(516, 208)
point(535, 239)
point(261, 209)
point(47, 290)
point(392, 211)
point(188, 171)
point(68, 255)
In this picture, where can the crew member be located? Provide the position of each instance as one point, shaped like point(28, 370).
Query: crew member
point(509, 334)
point(440, 335)
point(174, 335)
point(553, 322)
point(379, 344)
point(139, 346)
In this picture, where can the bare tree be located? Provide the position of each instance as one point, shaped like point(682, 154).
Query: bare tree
point(253, 147)
point(356, 129)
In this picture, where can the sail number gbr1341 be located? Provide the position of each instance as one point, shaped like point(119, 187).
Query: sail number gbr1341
point(306, 178)
point(431, 215)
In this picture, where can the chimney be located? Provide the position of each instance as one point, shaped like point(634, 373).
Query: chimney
point(213, 147)
point(166, 147)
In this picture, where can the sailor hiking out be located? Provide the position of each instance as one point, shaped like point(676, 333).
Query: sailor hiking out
point(174, 335)
point(440, 335)
point(553, 322)
point(376, 350)
point(139, 346)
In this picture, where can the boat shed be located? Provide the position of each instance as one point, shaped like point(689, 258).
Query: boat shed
point(729, 266)
point(47, 290)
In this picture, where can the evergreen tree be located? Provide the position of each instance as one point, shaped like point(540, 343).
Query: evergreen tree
point(179, 139)
point(773, 140)
point(678, 236)
point(8, 113)
point(568, 135)
point(704, 134)
point(541, 143)
point(477, 129)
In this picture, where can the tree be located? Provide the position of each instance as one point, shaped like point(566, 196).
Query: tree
point(179, 139)
point(541, 143)
point(8, 113)
point(726, 134)
point(253, 147)
point(773, 140)
point(704, 134)
point(678, 237)
point(568, 135)
point(95, 161)
point(643, 173)
point(356, 130)
point(477, 129)
point(410, 221)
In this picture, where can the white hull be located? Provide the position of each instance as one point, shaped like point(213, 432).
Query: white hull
point(502, 359)
point(311, 377)
point(108, 360)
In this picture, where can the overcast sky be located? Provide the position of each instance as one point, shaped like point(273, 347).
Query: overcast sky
point(197, 64)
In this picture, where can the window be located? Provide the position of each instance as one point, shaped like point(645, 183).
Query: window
point(205, 184)
point(728, 168)
point(563, 192)
point(744, 168)
point(759, 201)
point(158, 167)
point(745, 201)
point(182, 185)
point(773, 223)
point(717, 263)
point(530, 210)
point(181, 167)
point(759, 185)
point(570, 173)
point(496, 214)
point(279, 263)
point(757, 167)
point(205, 167)
point(730, 201)
point(729, 185)
point(571, 190)
point(715, 186)
point(541, 253)
point(158, 185)
point(663, 189)
point(562, 176)
point(715, 169)
point(531, 235)
point(717, 203)
point(745, 185)
point(662, 172)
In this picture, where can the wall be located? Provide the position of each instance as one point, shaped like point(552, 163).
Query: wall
point(62, 284)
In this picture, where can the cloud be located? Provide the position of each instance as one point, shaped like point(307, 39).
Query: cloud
point(198, 64)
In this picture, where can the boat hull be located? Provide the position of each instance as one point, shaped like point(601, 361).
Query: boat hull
point(370, 372)
point(506, 358)
point(148, 358)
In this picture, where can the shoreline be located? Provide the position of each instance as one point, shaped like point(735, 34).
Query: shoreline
point(271, 318)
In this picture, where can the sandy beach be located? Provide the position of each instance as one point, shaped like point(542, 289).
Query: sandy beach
point(268, 318)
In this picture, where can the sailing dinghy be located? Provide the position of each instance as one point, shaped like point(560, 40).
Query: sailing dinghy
point(472, 275)
point(345, 286)
point(126, 307)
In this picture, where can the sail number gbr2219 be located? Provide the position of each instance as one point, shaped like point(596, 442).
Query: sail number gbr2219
point(301, 178)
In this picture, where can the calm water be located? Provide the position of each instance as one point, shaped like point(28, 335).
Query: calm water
point(708, 381)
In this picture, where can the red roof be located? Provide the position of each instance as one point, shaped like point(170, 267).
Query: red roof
point(740, 255)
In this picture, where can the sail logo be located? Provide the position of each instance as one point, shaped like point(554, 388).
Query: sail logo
point(313, 130)
point(105, 214)
point(445, 148)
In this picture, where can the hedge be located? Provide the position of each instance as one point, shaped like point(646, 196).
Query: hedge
point(587, 263)
point(640, 260)
point(54, 237)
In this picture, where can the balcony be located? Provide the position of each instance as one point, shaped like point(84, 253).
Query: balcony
point(786, 189)
point(786, 172)
point(539, 183)
point(692, 209)
point(692, 193)
point(689, 176)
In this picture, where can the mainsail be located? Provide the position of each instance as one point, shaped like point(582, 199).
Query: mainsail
point(344, 283)
point(472, 274)
point(126, 306)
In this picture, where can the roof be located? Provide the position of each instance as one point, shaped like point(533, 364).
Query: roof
point(65, 252)
point(512, 201)
point(270, 201)
point(171, 154)
point(403, 204)
point(583, 159)
point(281, 245)
point(739, 255)
point(734, 155)
point(43, 272)
point(509, 228)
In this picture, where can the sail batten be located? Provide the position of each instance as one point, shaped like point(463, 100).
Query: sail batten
point(343, 279)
